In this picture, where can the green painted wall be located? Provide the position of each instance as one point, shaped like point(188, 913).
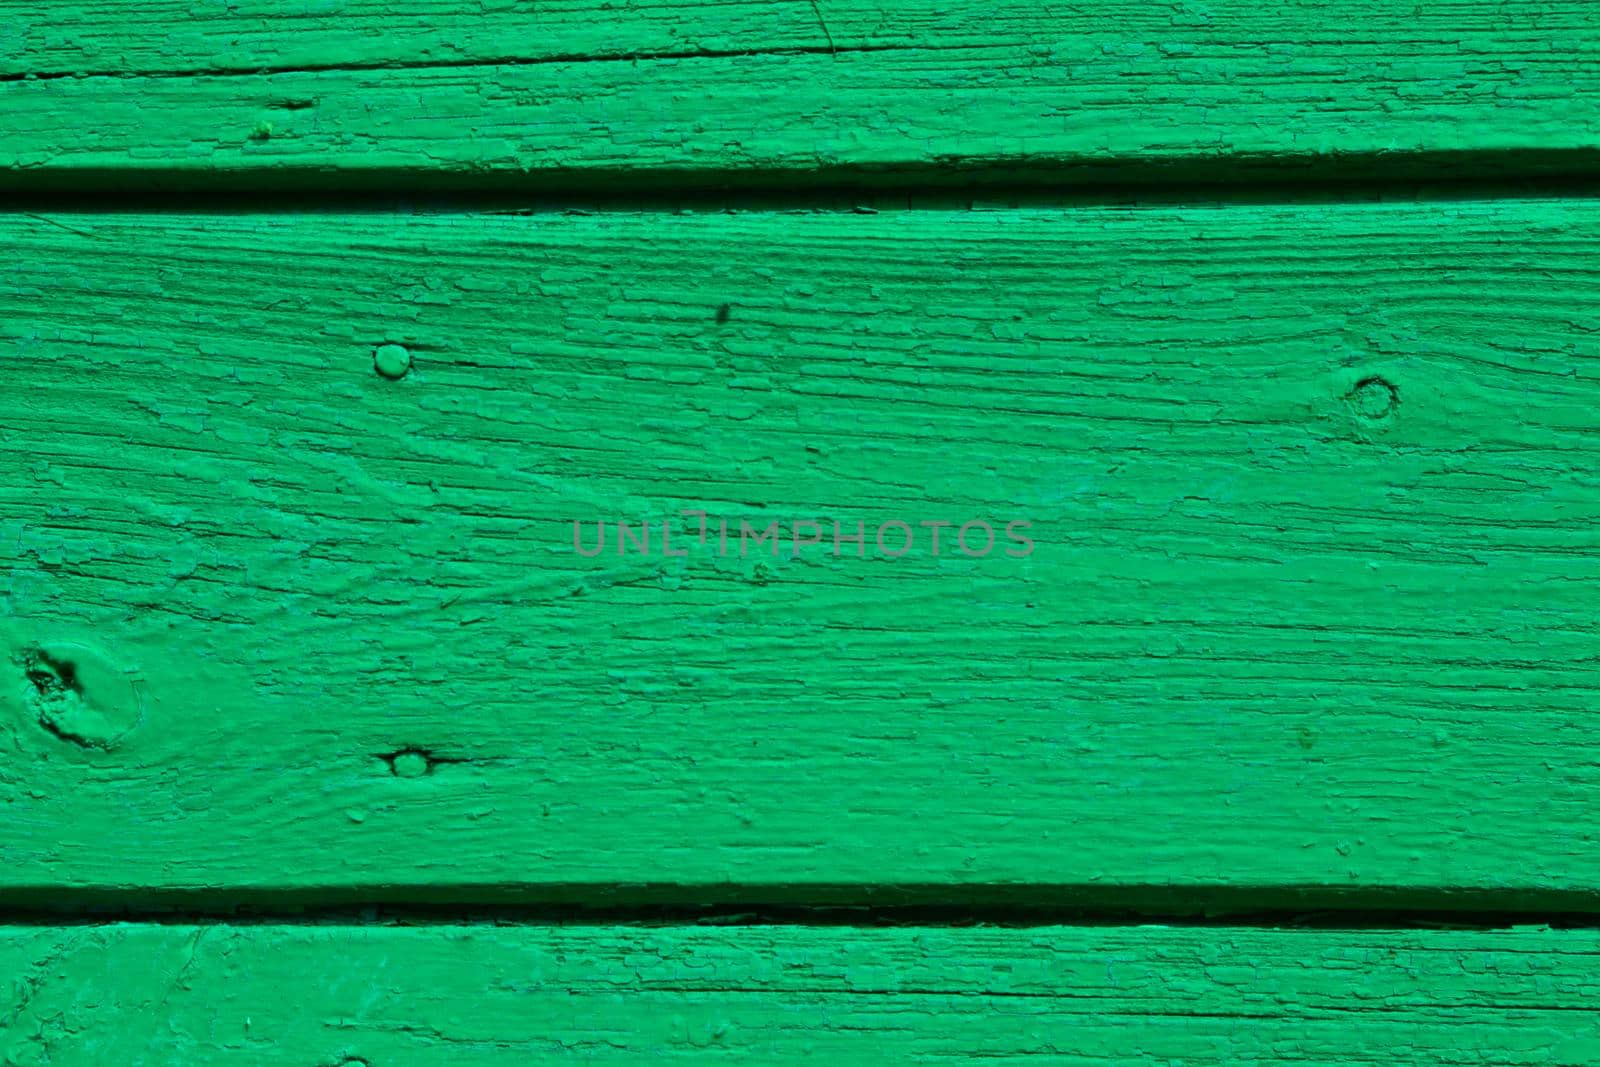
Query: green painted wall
point(1261, 341)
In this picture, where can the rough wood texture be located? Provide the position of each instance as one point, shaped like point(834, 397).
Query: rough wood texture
point(351, 91)
point(475, 996)
point(1315, 495)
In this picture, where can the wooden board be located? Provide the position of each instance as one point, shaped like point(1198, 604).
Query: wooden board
point(1316, 520)
point(586, 93)
point(1056, 995)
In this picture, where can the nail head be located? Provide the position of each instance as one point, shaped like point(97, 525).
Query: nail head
point(392, 361)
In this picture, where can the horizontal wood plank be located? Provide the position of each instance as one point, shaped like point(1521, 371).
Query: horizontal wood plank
point(369, 90)
point(292, 600)
point(1056, 995)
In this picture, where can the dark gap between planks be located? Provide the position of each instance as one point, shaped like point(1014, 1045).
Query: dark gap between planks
point(1310, 908)
point(1436, 176)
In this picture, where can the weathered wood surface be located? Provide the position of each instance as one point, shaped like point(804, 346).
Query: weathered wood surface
point(1056, 995)
point(1315, 500)
point(352, 91)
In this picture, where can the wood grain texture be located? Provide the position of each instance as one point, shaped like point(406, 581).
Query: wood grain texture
point(599, 91)
point(1315, 495)
point(1055, 995)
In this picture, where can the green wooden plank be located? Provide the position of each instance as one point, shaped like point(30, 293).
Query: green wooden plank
point(473, 996)
point(362, 89)
point(1315, 503)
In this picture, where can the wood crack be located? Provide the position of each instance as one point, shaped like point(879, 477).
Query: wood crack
point(487, 63)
